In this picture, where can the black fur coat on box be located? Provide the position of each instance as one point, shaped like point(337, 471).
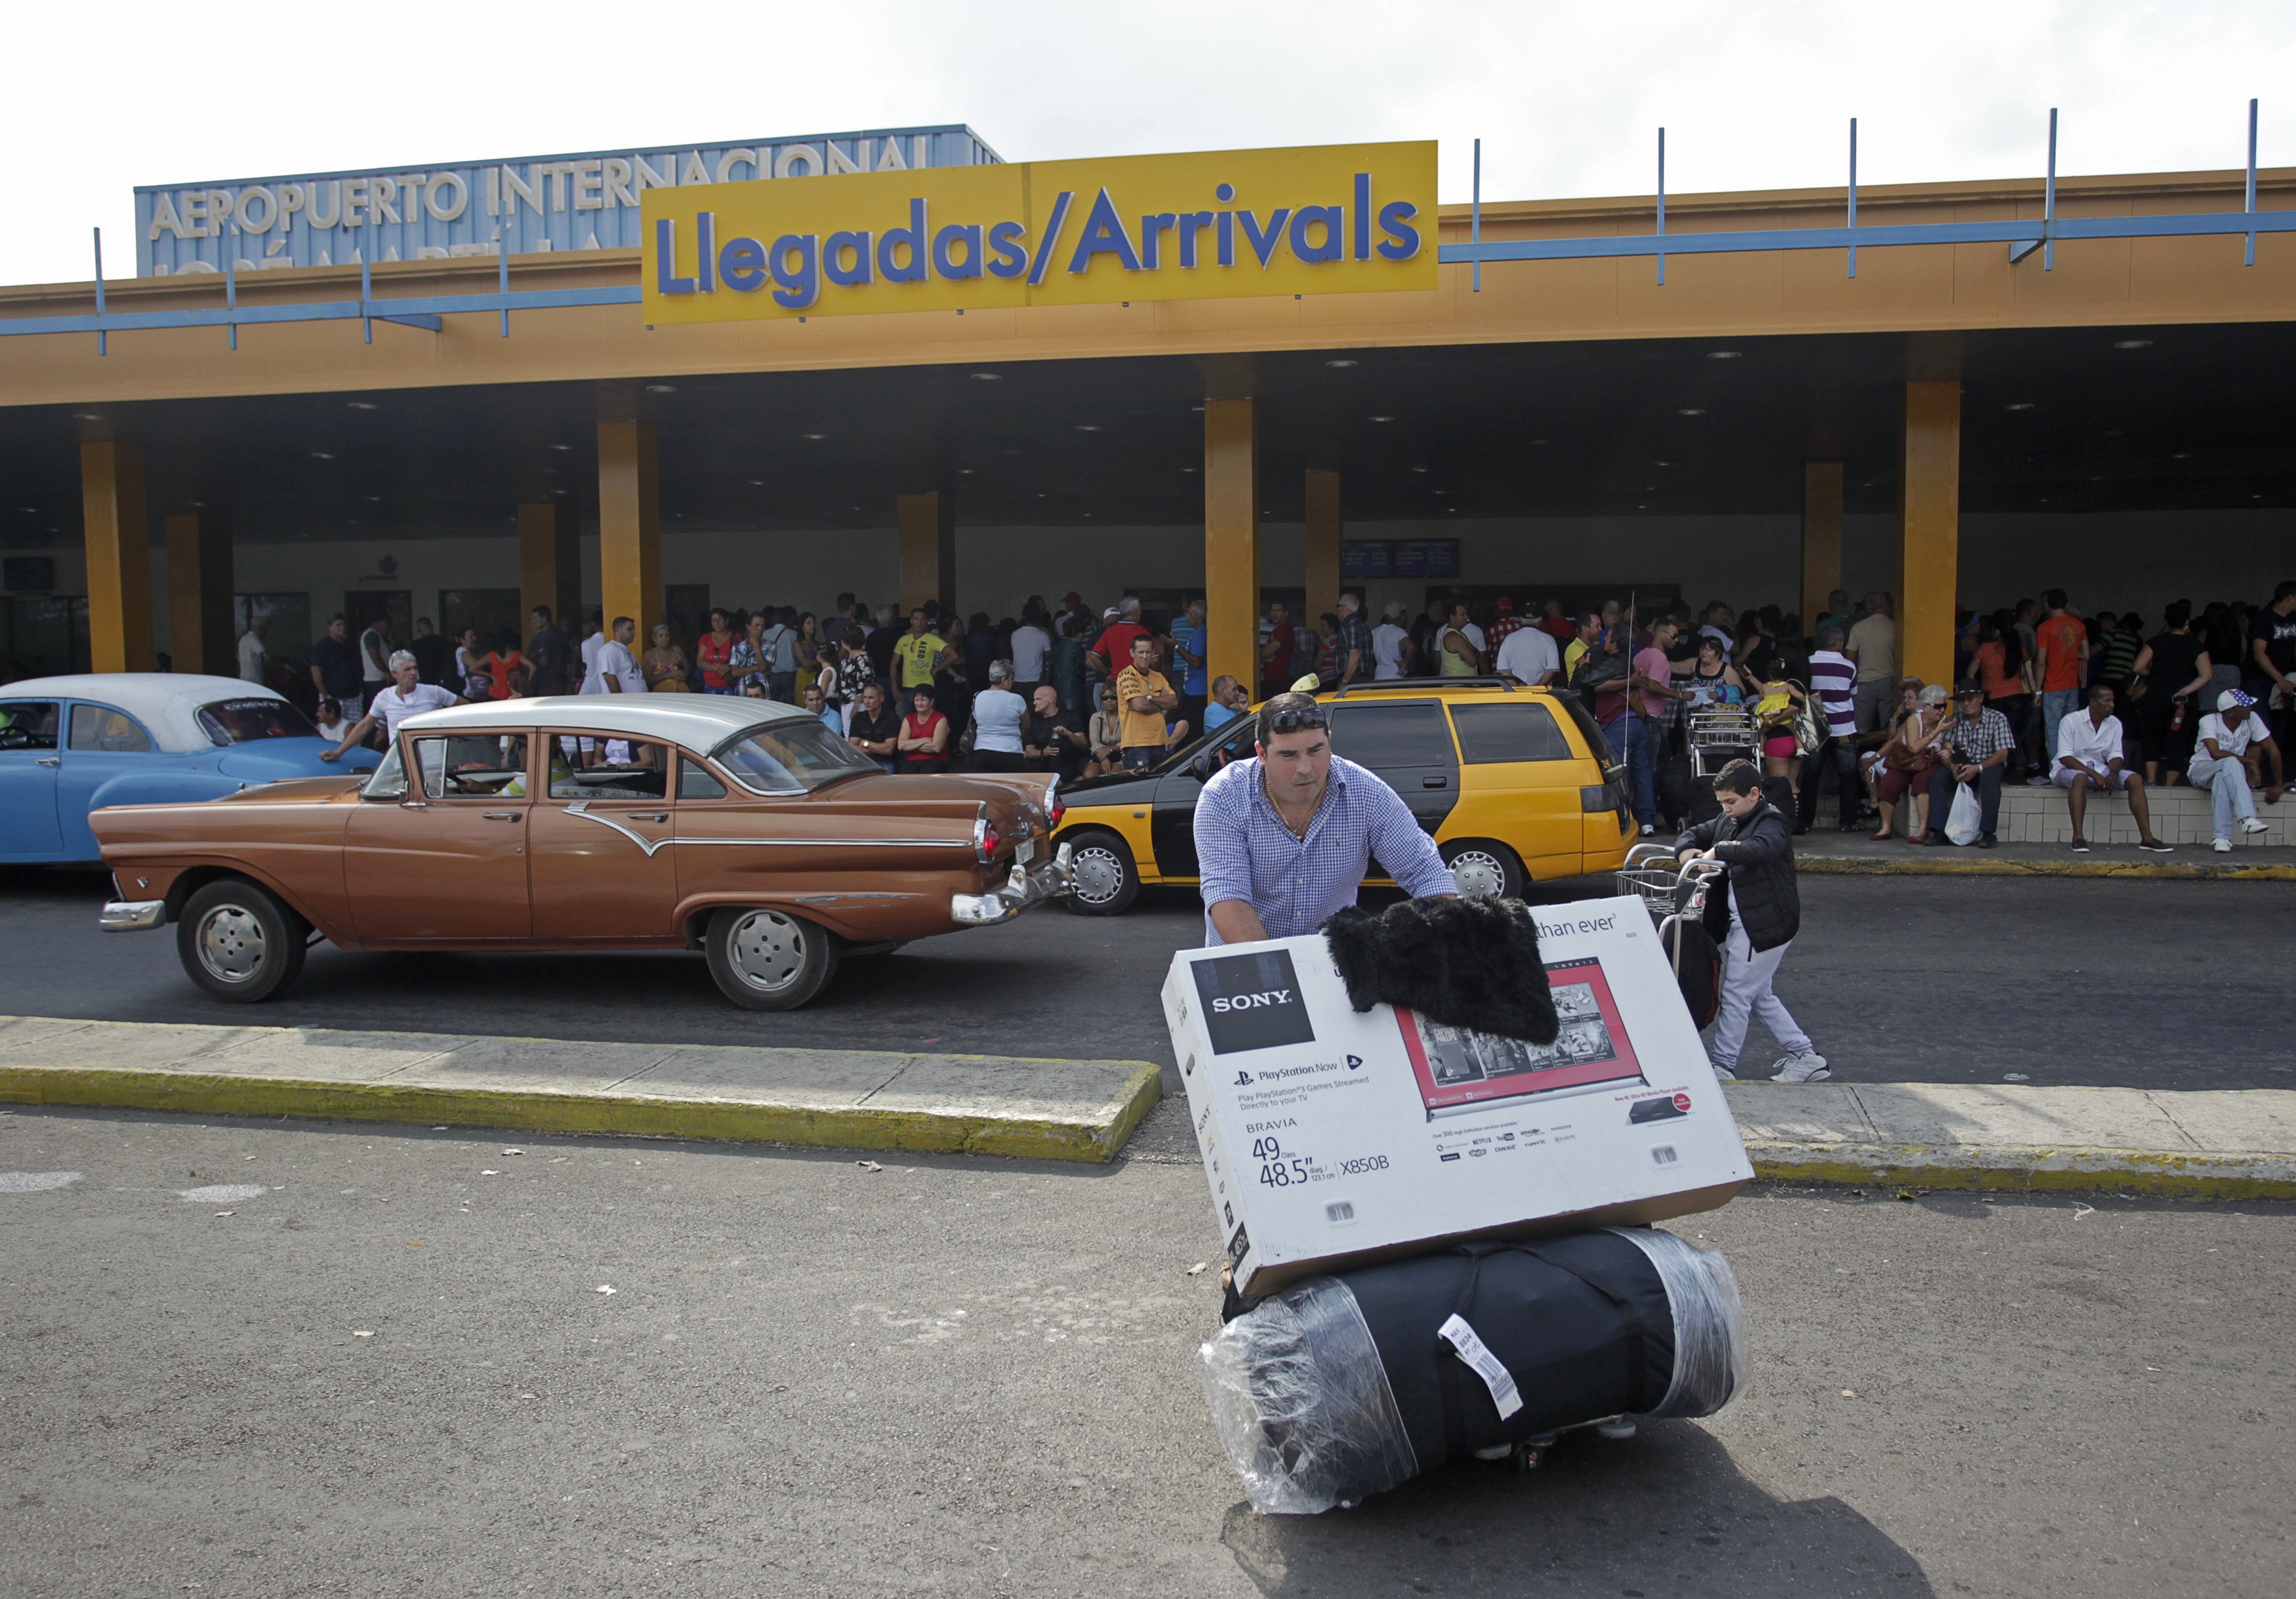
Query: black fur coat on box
point(1463, 962)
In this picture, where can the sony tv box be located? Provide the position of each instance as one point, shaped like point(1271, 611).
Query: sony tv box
point(1333, 1138)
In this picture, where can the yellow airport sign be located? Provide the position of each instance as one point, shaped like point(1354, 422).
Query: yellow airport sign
point(1321, 219)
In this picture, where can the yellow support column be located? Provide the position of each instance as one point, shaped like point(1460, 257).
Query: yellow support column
point(1322, 542)
point(629, 525)
point(199, 633)
point(550, 562)
point(1929, 557)
point(1232, 540)
point(927, 554)
point(1821, 539)
point(118, 555)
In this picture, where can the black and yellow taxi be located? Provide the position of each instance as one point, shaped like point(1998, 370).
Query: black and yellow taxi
point(1514, 785)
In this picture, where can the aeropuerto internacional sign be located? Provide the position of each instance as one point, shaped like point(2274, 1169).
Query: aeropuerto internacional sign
point(471, 207)
point(1324, 219)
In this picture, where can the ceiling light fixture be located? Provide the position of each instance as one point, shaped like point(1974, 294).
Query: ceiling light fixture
point(562, 447)
point(86, 417)
point(363, 406)
point(321, 455)
point(1723, 354)
point(756, 482)
point(1087, 427)
point(1690, 411)
point(989, 377)
point(1336, 364)
point(2182, 455)
point(661, 389)
point(816, 435)
point(1383, 419)
point(2132, 344)
point(2019, 405)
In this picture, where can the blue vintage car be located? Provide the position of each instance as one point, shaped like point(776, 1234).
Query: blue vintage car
point(69, 745)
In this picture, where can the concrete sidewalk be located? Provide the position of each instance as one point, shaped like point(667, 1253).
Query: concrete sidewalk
point(2233, 1145)
point(975, 1104)
point(2236, 1144)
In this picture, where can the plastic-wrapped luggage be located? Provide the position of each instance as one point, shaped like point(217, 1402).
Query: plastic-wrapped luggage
point(1348, 1385)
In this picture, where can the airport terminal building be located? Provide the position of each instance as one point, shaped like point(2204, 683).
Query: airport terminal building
point(661, 380)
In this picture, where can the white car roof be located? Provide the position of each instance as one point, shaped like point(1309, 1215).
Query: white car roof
point(167, 703)
point(697, 721)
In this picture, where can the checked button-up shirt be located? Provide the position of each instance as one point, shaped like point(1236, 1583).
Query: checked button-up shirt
point(1293, 884)
point(1983, 739)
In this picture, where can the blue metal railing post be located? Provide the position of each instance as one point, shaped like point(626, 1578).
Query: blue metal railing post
point(366, 292)
point(231, 290)
point(501, 257)
point(1853, 192)
point(1475, 225)
point(2251, 207)
point(2049, 202)
point(1661, 206)
point(103, 341)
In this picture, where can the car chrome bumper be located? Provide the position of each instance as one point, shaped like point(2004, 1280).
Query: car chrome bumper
point(133, 916)
point(1054, 880)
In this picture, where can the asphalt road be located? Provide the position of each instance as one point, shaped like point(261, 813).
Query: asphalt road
point(2169, 985)
point(978, 1377)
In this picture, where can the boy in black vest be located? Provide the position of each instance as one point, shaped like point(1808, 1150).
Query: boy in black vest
point(1754, 919)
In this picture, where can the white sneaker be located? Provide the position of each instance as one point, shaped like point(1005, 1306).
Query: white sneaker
point(2222, 846)
point(2252, 825)
point(1723, 1074)
point(1810, 1068)
point(1648, 830)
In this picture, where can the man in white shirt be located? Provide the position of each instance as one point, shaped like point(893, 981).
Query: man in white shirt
point(2088, 756)
point(1529, 657)
point(375, 655)
point(613, 670)
point(1391, 644)
point(2219, 764)
point(250, 651)
point(409, 696)
point(590, 647)
point(1030, 644)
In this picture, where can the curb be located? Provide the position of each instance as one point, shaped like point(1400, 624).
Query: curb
point(952, 1131)
point(2027, 1168)
point(1855, 865)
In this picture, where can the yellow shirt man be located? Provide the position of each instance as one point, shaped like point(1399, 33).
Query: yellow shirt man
point(1141, 728)
point(916, 653)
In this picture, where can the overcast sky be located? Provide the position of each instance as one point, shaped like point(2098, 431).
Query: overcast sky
point(1565, 94)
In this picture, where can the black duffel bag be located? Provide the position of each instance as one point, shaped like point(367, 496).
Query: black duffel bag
point(1347, 1385)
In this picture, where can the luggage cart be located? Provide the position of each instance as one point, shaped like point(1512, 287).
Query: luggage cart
point(1720, 735)
point(1675, 894)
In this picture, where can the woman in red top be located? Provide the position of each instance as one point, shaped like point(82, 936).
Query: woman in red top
point(503, 661)
point(923, 741)
point(715, 651)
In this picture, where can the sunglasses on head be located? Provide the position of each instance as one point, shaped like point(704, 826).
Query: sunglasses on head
point(1294, 721)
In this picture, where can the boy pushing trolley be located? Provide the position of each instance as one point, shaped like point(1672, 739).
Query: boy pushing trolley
point(1754, 922)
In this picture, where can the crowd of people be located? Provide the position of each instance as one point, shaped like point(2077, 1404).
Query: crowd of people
point(2041, 693)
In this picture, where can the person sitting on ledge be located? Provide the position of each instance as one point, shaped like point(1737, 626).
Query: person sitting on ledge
point(2088, 756)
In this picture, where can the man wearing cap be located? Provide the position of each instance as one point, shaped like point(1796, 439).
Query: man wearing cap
point(408, 696)
point(2220, 764)
point(1390, 644)
point(1529, 656)
point(1977, 742)
point(1505, 626)
point(1284, 839)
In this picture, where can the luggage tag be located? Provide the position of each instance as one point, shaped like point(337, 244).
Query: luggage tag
point(1488, 1366)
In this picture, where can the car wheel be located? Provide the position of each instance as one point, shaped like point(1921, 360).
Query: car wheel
point(238, 942)
point(768, 960)
point(1106, 881)
point(1484, 869)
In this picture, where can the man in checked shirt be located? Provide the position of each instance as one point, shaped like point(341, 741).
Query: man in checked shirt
point(1975, 747)
point(1284, 839)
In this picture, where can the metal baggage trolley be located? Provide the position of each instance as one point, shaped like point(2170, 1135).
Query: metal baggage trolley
point(1675, 894)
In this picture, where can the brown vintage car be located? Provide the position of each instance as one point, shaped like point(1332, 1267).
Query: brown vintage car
point(742, 828)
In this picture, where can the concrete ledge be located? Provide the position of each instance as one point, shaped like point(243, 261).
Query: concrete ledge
point(2021, 1168)
point(2212, 1144)
point(971, 1104)
point(1919, 861)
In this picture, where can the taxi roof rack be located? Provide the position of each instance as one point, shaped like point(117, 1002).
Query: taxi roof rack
point(1421, 684)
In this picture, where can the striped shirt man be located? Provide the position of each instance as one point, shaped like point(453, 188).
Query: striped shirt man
point(1833, 679)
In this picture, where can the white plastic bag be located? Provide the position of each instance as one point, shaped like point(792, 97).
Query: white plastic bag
point(1962, 822)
